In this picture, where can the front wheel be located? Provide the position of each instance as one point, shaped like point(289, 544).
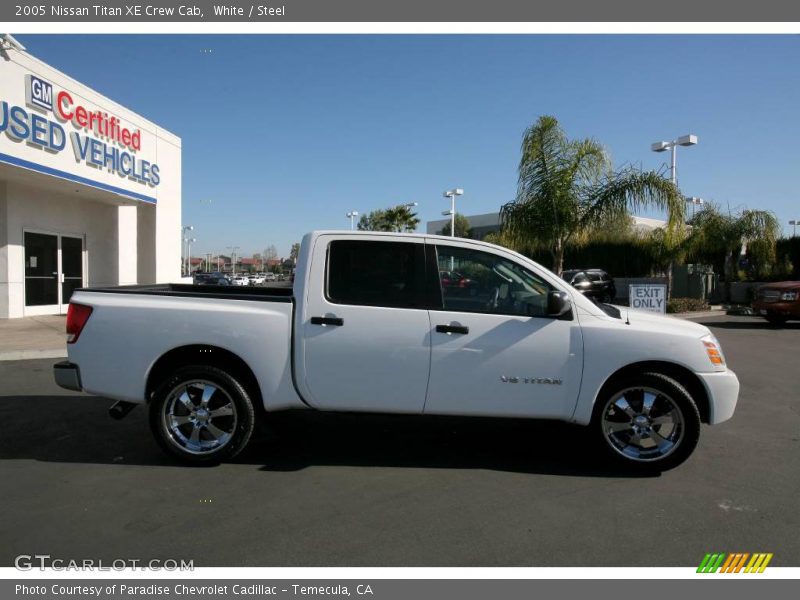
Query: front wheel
point(202, 415)
point(647, 423)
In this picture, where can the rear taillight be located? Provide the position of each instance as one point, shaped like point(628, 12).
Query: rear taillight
point(77, 315)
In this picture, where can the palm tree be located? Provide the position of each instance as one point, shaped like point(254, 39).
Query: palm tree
point(716, 236)
point(397, 218)
point(567, 188)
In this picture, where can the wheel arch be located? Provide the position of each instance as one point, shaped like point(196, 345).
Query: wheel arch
point(204, 354)
point(679, 373)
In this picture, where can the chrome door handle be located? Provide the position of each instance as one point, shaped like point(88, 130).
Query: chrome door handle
point(452, 329)
point(338, 321)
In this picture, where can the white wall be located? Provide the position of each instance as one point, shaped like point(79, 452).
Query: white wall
point(31, 208)
point(146, 244)
point(168, 214)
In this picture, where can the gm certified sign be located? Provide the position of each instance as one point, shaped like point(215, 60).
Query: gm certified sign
point(98, 139)
point(38, 92)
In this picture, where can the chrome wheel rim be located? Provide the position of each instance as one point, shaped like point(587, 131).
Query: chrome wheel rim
point(199, 417)
point(642, 424)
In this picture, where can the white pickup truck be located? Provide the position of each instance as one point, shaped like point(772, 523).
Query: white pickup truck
point(398, 323)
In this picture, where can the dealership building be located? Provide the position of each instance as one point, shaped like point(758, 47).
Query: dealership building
point(90, 192)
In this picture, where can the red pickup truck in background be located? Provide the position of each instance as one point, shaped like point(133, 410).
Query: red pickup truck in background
point(778, 302)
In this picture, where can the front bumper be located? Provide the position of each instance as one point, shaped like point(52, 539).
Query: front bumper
point(68, 376)
point(723, 392)
point(783, 309)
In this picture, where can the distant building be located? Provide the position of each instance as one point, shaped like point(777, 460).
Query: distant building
point(481, 225)
point(646, 224)
point(484, 224)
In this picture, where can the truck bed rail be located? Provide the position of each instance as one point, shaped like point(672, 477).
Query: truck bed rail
point(259, 294)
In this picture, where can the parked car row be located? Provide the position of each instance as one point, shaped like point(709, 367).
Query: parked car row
point(240, 279)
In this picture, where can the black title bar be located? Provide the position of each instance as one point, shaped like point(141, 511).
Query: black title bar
point(464, 11)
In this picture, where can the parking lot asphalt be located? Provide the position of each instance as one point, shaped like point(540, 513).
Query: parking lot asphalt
point(342, 490)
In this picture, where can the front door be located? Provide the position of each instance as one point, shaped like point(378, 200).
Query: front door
point(494, 350)
point(71, 268)
point(41, 274)
point(53, 270)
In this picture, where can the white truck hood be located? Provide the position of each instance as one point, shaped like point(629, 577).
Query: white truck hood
point(649, 320)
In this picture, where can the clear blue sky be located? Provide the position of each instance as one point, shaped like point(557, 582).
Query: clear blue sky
point(284, 134)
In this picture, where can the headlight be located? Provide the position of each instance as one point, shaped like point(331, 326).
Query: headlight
point(789, 296)
point(714, 351)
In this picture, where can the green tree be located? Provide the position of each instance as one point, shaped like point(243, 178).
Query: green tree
point(718, 237)
point(396, 218)
point(568, 188)
point(463, 229)
point(294, 253)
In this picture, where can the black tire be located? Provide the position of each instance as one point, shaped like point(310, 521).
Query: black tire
point(219, 436)
point(672, 412)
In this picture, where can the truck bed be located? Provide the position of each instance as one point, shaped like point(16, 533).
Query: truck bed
point(263, 294)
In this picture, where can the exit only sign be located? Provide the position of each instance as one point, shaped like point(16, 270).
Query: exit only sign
point(648, 296)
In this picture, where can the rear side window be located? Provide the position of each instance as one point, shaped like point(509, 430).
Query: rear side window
point(376, 273)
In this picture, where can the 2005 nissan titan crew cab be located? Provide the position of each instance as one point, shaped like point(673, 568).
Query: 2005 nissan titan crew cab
point(398, 323)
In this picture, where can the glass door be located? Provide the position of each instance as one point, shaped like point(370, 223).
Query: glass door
point(71, 268)
point(41, 273)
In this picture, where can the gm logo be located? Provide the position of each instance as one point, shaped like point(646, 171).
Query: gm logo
point(734, 563)
point(38, 92)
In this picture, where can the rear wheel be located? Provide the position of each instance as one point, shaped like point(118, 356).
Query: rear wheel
point(647, 422)
point(202, 415)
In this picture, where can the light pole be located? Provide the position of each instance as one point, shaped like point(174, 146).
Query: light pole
point(189, 243)
point(694, 201)
point(794, 223)
point(685, 140)
point(452, 195)
point(352, 215)
point(183, 246)
point(233, 250)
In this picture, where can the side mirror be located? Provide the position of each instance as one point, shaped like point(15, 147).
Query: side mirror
point(558, 304)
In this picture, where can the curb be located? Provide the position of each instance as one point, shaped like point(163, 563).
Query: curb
point(33, 354)
point(700, 314)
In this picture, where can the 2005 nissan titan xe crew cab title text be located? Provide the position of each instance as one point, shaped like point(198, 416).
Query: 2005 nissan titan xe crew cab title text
point(398, 323)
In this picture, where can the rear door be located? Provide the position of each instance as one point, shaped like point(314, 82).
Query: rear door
point(494, 350)
point(364, 335)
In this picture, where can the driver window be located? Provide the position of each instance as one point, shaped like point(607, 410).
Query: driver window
point(477, 281)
